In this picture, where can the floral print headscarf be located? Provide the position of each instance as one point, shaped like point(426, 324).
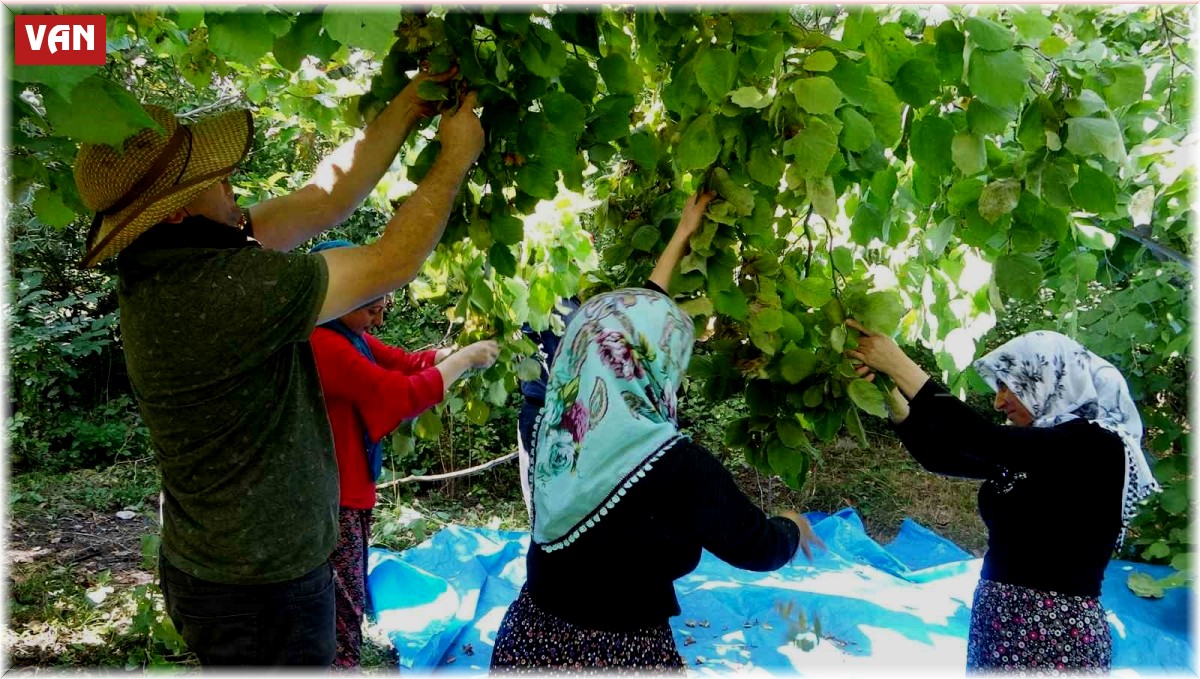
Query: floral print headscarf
point(610, 409)
point(1057, 379)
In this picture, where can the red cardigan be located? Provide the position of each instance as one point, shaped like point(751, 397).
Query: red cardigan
point(381, 396)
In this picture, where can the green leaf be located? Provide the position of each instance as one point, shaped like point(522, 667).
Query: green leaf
point(861, 22)
point(765, 167)
point(61, 79)
point(766, 319)
point(1145, 586)
point(866, 224)
point(621, 75)
point(950, 44)
point(984, 119)
point(716, 72)
point(1141, 206)
point(857, 132)
point(824, 200)
point(565, 113)
point(739, 197)
point(820, 61)
point(237, 36)
point(643, 149)
point(50, 209)
point(100, 112)
point(1094, 237)
point(813, 148)
point(538, 180)
point(578, 28)
point(814, 292)
point(543, 52)
point(989, 35)
point(502, 260)
point(1053, 46)
point(918, 82)
point(507, 229)
point(867, 397)
point(791, 433)
point(1084, 105)
point(1091, 136)
point(428, 426)
point(737, 433)
point(699, 145)
point(968, 153)
point(433, 91)
point(700, 306)
point(731, 302)
point(1019, 276)
point(1127, 87)
point(888, 48)
point(837, 338)
point(477, 412)
point(610, 117)
point(305, 38)
point(999, 198)
point(1032, 132)
point(930, 144)
point(797, 364)
point(1095, 191)
point(819, 94)
point(998, 78)
point(750, 97)
point(364, 28)
point(1030, 24)
point(579, 79)
point(645, 238)
point(881, 311)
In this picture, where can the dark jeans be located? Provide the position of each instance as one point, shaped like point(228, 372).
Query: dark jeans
point(282, 623)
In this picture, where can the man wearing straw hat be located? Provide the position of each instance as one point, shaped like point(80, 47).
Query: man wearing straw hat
point(215, 320)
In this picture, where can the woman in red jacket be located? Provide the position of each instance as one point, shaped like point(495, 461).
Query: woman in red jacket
point(370, 388)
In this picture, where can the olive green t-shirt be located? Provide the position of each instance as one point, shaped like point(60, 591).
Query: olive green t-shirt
point(216, 341)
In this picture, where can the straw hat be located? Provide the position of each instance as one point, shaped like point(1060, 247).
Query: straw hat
point(155, 174)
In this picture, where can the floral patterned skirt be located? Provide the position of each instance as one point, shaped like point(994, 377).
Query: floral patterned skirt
point(1020, 630)
point(530, 640)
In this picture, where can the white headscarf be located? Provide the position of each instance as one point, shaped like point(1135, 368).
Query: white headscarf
point(1057, 379)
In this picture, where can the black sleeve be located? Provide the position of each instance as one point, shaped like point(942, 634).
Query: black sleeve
point(949, 437)
point(651, 285)
point(730, 526)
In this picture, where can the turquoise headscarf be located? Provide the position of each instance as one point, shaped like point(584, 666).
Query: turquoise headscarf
point(610, 409)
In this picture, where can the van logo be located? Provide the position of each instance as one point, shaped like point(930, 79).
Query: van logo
point(67, 40)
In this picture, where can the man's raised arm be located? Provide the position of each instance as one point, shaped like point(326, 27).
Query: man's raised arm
point(344, 178)
point(358, 275)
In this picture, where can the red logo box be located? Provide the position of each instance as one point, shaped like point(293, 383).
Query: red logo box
point(66, 40)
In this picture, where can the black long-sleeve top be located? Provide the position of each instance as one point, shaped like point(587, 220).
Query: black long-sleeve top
point(620, 574)
point(1052, 496)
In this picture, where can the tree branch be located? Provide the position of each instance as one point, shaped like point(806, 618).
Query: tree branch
point(469, 471)
point(220, 103)
point(1160, 251)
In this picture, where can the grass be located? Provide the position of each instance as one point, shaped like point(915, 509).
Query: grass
point(131, 484)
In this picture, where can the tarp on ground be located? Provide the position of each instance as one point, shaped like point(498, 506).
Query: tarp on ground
point(903, 607)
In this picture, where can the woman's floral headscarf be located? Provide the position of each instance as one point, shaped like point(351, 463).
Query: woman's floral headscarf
point(1057, 379)
point(610, 409)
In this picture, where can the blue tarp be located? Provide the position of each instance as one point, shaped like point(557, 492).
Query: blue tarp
point(895, 608)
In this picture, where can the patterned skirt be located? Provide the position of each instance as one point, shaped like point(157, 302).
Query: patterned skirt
point(530, 640)
point(1020, 630)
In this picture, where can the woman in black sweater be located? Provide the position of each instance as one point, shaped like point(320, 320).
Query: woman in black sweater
point(1061, 485)
point(623, 503)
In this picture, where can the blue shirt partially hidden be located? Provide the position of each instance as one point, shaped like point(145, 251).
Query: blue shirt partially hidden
point(547, 343)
